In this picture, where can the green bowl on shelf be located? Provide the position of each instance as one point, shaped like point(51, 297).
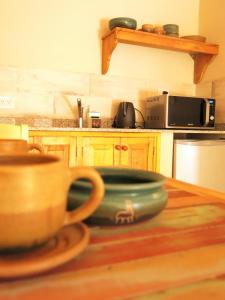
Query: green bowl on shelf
point(171, 29)
point(131, 195)
point(123, 22)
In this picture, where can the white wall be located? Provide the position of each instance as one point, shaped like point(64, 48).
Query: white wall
point(48, 42)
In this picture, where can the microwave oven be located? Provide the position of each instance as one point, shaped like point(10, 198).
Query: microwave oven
point(178, 112)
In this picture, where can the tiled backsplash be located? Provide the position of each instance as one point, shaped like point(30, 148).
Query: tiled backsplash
point(41, 122)
point(49, 96)
point(215, 89)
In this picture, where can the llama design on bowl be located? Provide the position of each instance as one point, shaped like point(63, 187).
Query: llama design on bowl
point(125, 215)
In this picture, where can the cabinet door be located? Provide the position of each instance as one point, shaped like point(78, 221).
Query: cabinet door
point(98, 151)
point(64, 147)
point(138, 153)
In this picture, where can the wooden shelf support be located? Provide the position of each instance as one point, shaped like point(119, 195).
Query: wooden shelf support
point(201, 62)
point(202, 53)
point(108, 45)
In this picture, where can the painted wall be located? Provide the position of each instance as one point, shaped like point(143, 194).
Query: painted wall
point(62, 39)
point(211, 25)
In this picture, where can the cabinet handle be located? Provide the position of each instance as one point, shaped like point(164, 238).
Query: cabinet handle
point(124, 148)
point(118, 147)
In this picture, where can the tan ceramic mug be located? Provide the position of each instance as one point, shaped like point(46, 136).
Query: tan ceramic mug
point(33, 200)
point(13, 146)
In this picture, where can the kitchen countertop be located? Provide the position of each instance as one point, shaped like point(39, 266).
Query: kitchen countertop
point(207, 131)
point(179, 254)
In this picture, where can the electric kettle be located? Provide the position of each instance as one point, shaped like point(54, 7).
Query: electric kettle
point(125, 117)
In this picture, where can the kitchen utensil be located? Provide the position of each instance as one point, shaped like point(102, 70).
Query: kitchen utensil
point(125, 117)
point(122, 22)
point(131, 195)
point(33, 199)
point(80, 112)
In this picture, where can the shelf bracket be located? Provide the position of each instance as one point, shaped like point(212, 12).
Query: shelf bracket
point(109, 43)
point(201, 62)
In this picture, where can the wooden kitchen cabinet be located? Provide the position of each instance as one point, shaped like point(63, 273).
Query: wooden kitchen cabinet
point(119, 149)
point(98, 151)
point(56, 144)
point(139, 153)
point(124, 150)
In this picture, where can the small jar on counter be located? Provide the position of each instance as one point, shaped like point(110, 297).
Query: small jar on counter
point(94, 120)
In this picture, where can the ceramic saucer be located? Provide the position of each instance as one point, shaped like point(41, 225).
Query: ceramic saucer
point(67, 244)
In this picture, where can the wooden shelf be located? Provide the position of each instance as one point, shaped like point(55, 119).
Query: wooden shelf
point(202, 53)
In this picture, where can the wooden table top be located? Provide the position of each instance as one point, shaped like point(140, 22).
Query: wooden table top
point(179, 254)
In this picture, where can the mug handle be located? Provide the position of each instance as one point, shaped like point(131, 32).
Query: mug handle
point(93, 201)
point(36, 147)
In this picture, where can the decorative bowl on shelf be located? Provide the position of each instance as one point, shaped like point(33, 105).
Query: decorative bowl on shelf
point(171, 29)
point(131, 195)
point(158, 30)
point(199, 38)
point(123, 22)
point(147, 27)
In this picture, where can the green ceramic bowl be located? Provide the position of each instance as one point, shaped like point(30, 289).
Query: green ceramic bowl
point(131, 196)
point(171, 29)
point(123, 22)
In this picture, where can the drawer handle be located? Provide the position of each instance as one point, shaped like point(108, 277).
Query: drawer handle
point(118, 147)
point(124, 148)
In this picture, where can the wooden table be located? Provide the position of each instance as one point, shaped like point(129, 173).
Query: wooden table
point(180, 254)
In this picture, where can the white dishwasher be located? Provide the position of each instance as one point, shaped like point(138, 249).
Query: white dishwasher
point(200, 162)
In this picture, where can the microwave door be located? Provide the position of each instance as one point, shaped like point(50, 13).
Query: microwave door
point(186, 112)
point(205, 112)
